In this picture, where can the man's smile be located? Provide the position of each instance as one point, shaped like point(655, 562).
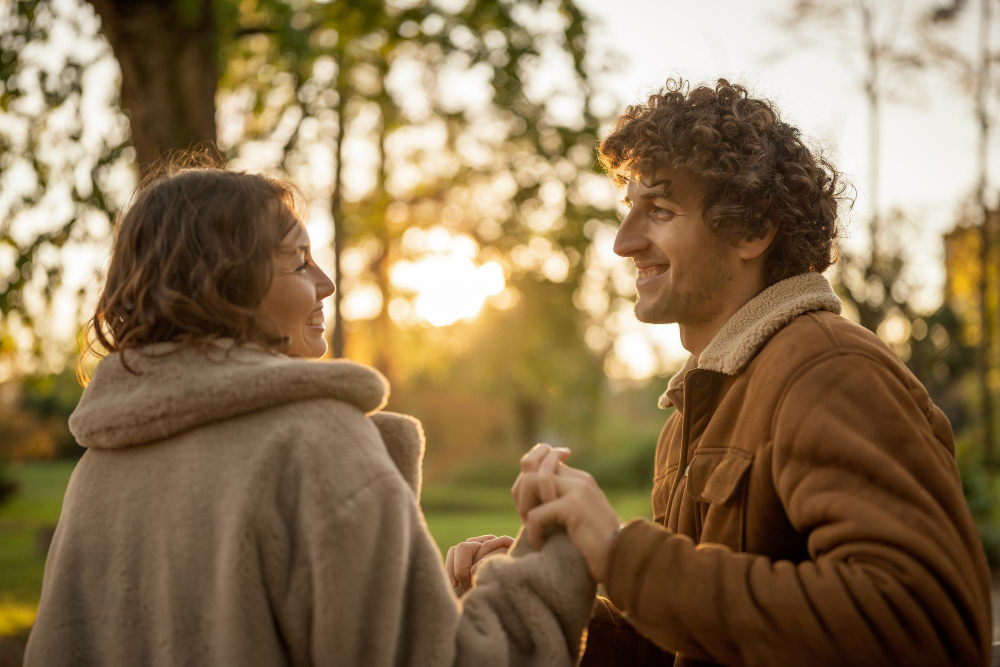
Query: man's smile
point(649, 273)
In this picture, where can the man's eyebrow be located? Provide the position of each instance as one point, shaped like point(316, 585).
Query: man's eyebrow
point(663, 188)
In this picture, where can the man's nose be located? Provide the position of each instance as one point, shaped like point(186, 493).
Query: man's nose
point(629, 239)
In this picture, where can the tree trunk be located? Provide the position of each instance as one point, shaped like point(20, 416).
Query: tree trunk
point(874, 128)
point(169, 64)
point(383, 358)
point(337, 212)
point(985, 254)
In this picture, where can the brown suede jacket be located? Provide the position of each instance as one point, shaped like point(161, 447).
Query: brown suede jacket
point(807, 508)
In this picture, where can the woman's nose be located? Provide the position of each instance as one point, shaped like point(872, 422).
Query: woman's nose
point(325, 286)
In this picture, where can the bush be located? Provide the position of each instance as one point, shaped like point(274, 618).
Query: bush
point(982, 494)
point(35, 425)
point(619, 449)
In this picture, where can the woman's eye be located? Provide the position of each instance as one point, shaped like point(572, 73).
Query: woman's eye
point(303, 266)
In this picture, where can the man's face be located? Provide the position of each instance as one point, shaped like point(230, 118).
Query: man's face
point(684, 269)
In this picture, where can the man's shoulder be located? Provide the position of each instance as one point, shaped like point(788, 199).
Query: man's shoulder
point(820, 336)
point(819, 333)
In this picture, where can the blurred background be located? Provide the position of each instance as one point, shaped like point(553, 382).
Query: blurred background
point(447, 151)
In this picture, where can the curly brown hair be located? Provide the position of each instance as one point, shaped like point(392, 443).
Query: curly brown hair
point(192, 259)
point(755, 170)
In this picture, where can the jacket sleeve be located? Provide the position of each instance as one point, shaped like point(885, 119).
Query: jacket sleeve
point(611, 640)
point(862, 464)
point(359, 581)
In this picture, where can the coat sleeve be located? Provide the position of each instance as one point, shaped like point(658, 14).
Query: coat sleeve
point(863, 466)
point(359, 581)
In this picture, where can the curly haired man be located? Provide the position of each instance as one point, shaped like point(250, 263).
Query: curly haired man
point(807, 506)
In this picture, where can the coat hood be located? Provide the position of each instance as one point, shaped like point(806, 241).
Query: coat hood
point(179, 388)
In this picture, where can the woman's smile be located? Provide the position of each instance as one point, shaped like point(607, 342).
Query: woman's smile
point(316, 320)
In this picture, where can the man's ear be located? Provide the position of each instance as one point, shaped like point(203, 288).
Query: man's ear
point(753, 248)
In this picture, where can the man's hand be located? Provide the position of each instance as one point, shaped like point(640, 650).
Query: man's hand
point(559, 494)
point(540, 459)
point(463, 559)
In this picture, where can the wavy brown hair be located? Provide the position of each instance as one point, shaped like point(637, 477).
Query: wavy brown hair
point(192, 259)
point(755, 170)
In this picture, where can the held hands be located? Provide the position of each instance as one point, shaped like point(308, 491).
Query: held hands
point(463, 559)
point(546, 492)
point(549, 492)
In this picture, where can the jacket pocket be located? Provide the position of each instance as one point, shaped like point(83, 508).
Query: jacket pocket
point(661, 491)
point(716, 482)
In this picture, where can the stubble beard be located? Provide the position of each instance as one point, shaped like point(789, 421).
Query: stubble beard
point(696, 305)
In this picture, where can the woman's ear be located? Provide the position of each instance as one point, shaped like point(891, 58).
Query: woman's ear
point(752, 248)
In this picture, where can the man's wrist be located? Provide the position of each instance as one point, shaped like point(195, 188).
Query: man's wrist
point(607, 554)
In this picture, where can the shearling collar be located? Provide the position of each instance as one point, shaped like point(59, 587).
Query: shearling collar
point(746, 332)
point(179, 389)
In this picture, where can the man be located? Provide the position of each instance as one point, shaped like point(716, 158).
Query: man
point(807, 504)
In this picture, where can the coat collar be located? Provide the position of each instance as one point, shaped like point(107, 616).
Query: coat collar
point(749, 329)
point(180, 387)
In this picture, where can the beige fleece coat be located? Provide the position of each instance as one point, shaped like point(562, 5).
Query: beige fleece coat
point(253, 509)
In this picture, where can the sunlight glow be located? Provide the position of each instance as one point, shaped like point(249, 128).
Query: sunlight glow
point(449, 286)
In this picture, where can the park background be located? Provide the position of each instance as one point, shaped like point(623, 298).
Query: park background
point(447, 152)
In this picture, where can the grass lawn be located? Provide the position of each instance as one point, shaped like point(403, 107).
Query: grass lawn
point(453, 514)
point(34, 507)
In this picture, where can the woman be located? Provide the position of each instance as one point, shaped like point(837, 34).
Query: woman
point(240, 504)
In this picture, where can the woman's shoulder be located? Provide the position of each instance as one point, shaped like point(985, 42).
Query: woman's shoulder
point(335, 437)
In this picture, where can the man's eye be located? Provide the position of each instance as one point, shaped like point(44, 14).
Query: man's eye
point(659, 210)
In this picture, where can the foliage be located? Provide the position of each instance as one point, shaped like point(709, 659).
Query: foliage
point(35, 425)
point(964, 267)
point(315, 85)
point(877, 292)
point(514, 166)
point(58, 173)
point(877, 286)
point(350, 101)
point(982, 493)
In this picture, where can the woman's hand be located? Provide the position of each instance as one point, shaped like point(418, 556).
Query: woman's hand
point(463, 559)
point(549, 492)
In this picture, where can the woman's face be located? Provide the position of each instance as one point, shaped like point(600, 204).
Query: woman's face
point(294, 301)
